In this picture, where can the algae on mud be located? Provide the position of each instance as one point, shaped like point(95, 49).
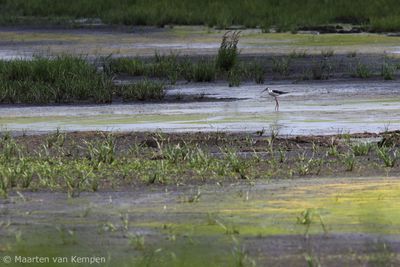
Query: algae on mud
point(246, 223)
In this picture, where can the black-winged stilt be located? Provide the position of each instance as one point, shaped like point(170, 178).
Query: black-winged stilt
point(275, 94)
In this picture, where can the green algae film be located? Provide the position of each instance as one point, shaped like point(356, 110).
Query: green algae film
point(175, 232)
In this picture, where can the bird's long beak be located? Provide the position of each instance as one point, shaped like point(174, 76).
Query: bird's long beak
point(266, 89)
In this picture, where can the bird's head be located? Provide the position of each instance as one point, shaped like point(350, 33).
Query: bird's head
point(266, 89)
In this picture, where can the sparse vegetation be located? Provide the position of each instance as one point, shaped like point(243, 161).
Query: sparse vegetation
point(57, 162)
point(387, 155)
point(311, 216)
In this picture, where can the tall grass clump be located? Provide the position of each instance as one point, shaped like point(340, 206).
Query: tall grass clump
point(258, 73)
point(387, 155)
point(166, 66)
point(388, 71)
point(60, 80)
point(321, 70)
point(234, 77)
point(361, 149)
point(204, 71)
point(281, 66)
point(129, 66)
point(142, 90)
point(362, 71)
point(228, 51)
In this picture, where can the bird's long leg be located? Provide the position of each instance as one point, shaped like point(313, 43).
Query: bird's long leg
point(276, 104)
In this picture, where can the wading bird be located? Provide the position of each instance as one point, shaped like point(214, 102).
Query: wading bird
point(275, 94)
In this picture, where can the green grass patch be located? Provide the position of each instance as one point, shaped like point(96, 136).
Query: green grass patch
point(361, 71)
point(143, 90)
point(61, 80)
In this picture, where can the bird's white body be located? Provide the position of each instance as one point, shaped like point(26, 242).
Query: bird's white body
point(271, 92)
point(275, 94)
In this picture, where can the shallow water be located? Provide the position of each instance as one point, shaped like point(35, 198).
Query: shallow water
point(310, 108)
point(352, 220)
point(144, 41)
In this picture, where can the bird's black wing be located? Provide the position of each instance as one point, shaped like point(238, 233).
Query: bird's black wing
point(279, 92)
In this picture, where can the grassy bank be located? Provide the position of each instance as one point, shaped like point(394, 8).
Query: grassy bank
point(60, 80)
point(90, 162)
point(66, 79)
point(295, 66)
point(285, 15)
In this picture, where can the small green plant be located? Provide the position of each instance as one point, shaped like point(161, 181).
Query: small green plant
point(57, 139)
point(237, 164)
point(102, 152)
point(312, 261)
point(137, 241)
point(307, 217)
point(9, 148)
point(77, 178)
point(282, 155)
point(304, 165)
point(389, 156)
point(349, 160)
point(361, 149)
point(333, 151)
point(229, 229)
point(4, 184)
point(228, 51)
point(241, 257)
